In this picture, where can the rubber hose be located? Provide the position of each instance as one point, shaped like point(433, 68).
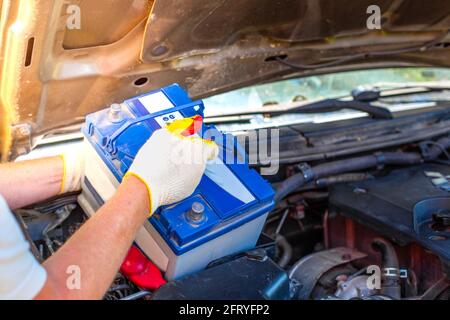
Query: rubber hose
point(360, 163)
point(347, 165)
point(287, 251)
point(342, 178)
point(435, 151)
point(390, 285)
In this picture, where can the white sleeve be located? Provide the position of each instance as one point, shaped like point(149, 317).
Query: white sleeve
point(21, 275)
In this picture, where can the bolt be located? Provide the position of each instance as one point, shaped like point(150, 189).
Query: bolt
point(115, 108)
point(115, 113)
point(24, 131)
point(196, 213)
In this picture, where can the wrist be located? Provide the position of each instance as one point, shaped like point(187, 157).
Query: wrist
point(72, 170)
point(140, 191)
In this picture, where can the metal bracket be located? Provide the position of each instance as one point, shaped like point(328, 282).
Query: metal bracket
point(306, 171)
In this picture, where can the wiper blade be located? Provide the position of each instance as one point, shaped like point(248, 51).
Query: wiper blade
point(320, 106)
point(330, 105)
point(361, 100)
point(383, 90)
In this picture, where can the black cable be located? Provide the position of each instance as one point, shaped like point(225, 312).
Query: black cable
point(364, 55)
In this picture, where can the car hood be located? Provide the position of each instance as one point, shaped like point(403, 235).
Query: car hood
point(60, 61)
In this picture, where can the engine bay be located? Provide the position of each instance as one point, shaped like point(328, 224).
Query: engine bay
point(372, 223)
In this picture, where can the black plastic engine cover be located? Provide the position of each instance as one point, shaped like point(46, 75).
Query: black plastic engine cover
point(388, 205)
point(252, 276)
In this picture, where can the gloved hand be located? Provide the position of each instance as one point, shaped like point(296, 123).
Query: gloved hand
point(171, 166)
point(73, 162)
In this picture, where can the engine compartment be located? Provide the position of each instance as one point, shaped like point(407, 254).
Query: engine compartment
point(316, 244)
point(367, 225)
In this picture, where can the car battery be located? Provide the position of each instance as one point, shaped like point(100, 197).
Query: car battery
point(224, 215)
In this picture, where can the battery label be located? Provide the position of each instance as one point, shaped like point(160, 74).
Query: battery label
point(156, 102)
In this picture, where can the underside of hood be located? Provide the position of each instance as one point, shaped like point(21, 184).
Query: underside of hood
point(63, 59)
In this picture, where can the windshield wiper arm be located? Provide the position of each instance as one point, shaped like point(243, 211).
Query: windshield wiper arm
point(376, 92)
point(330, 105)
point(361, 100)
point(321, 106)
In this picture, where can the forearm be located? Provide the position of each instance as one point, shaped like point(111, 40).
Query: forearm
point(27, 182)
point(99, 246)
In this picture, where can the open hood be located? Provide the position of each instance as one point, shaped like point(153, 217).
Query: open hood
point(63, 59)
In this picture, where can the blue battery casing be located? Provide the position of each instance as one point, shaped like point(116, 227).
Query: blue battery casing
point(117, 135)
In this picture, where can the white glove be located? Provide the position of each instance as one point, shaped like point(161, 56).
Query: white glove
point(171, 166)
point(73, 161)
